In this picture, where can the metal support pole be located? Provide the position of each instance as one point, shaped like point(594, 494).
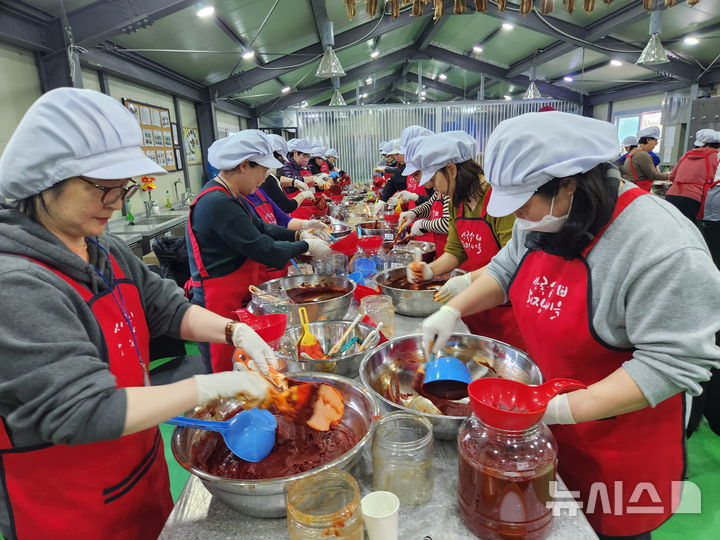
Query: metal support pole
point(181, 140)
point(207, 126)
point(103, 82)
point(58, 69)
point(481, 92)
point(688, 118)
point(419, 82)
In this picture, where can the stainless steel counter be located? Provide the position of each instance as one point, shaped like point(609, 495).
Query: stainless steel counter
point(197, 515)
point(147, 228)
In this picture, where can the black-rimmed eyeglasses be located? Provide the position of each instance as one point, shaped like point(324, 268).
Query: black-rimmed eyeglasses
point(113, 194)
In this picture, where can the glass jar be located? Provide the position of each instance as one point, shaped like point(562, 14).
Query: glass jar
point(333, 265)
point(379, 308)
point(504, 480)
point(326, 504)
point(402, 453)
point(303, 269)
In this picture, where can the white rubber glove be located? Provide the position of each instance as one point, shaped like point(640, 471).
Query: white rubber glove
point(304, 196)
point(417, 272)
point(379, 208)
point(392, 201)
point(418, 227)
point(408, 195)
point(438, 328)
point(246, 386)
point(307, 235)
point(453, 287)
point(558, 411)
point(302, 186)
point(260, 353)
point(317, 248)
point(406, 217)
point(316, 224)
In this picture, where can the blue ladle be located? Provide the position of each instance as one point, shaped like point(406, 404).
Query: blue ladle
point(250, 434)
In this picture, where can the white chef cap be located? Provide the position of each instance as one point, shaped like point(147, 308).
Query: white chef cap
point(331, 152)
point(431, 153)
point(318, 150)
point(304, 146)
point(526, 152)
point(653, 132)
point(278, 143)
point(705, 136)
point(630, 140)
point(250, 144)
point(409, 133)
point(381, 147)
point(72, 132)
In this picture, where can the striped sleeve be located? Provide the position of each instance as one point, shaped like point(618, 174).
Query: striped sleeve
point(439, 225)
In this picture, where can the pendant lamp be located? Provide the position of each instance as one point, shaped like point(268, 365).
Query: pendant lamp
point(532, 91)
point(337, 100)
point(654, 52)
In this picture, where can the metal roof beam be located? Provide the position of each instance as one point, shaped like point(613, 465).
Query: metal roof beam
point(26, 27)
point(444, 87)
point(429, 32)
point(635, 90)
point(380, 84)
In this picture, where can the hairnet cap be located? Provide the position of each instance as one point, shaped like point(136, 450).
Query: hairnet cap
point(381, 147)
point(630, 140)
point(250, 144)
point(706, 136)
point(72, 132)
point(433, 152)
point(278, 144)
point(331, 152)
point(554, 145)
point(409, 133)
point(393, 146)
point(318, 151)
point(653, 132)
point(304, 146)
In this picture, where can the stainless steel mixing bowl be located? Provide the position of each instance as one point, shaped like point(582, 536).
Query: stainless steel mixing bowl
point(266, 498)
point(406, 301)
point(327, 333)
point(338, 231)
point(399, 358)
point(427, 249)
point(333, 309)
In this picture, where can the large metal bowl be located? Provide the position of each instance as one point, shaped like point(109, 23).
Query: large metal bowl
point(398, 357)
point(327, 333)
point(406, 301)
point(338, 231)
point(333, 309)
point(427, 249)
point(367, 228)
point(266, 498)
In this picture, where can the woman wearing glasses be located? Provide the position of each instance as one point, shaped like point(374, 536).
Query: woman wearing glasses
point(80, 451)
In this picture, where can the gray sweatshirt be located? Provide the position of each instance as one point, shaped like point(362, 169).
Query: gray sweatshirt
point(55, 385)
point(654, 288)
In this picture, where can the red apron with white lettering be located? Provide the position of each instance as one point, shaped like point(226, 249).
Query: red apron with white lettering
point(678, 187)
point(264, 211)
point(413, 186)
point(304, 211)
point(481, 245)
point(644, 449)
point(114, 490)
point(223, 294)
point(645, 185)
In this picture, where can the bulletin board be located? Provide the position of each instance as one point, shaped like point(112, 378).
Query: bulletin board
point(158, 142)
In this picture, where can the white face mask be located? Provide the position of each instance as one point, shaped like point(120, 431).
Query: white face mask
point(548, 224)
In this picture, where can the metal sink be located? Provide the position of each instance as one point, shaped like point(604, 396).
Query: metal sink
point(154, 220)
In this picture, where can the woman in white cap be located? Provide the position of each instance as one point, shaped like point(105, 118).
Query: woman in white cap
point(639, 166)
point(80, 449)
point(229, 247)
point(693, 175)
point(430, 220)
point(275, 182)
point(445, 162)
point(296, 167)
point(628, 143)
point(594, 269)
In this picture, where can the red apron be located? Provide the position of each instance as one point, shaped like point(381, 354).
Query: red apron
point(324, 167)
point(481, 245)
point(115, 489)
point(436, 212)
point(645, 185)
point(304, 211)
point(550, 298)
point(223, 294)
point(264, 211)
point(413, 186)
point(706, 186)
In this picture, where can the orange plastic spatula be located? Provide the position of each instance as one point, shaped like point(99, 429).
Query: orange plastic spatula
point(308, 343)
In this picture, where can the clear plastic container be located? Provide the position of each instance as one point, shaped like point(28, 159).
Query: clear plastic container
point(504, 480)
point(402, 453)
point(380, 309)
point(325, 505)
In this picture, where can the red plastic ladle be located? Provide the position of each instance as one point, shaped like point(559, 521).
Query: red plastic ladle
point(512, 405)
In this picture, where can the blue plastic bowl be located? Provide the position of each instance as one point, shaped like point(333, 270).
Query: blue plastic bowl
point(365, 266)
point(357, 278)
point(446, 377)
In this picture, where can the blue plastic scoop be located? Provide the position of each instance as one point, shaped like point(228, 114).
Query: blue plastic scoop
point(250, 434)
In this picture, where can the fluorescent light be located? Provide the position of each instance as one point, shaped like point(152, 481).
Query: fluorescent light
point(477, 49)
point(374, 54)
point(507, 26)
point(691, 40)
point(369, 80)
point(285, 90)
point(442, 76)
point(205, 11)
point(364, 95)
point(568, 78)
point(304, 104)
point(247, 55)
point(422, 98)
point(615, 62)
point(423, 93)
point(507, 97)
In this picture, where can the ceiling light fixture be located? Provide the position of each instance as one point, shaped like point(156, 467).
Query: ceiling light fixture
point(369, 80)
point(691, 40)
point(615, 62)
point(205, 11)
point(477, 49)
point(568, 78)
point(442, 76)
point(364, 95)
point(329, 66)
point(507, 26)
point(247, 55)
point(654, 52)
point(506, 97)
point(337, 99)
point(374, 54)
point(286, 89)
point(423, 93)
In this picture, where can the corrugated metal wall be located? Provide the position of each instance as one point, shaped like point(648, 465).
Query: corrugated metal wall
point(356, 132)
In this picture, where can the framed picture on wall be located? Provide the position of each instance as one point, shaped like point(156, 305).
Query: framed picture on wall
point(158, 137)
point(156, 129)
point(192, 146)
point(148, 137)
point(161, 158)
point(164, 119)
point(170, 157)
point(155, 116)
point(175, 137)
point(167, 139)
point(134, 109)
point(144, 115)
point(178, 159)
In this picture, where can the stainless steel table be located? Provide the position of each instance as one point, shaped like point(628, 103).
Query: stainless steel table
point(198, 515)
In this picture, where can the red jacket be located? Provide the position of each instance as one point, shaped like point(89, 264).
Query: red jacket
point(693, 170)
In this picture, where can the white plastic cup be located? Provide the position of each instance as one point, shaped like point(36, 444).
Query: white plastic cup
point(380, 512)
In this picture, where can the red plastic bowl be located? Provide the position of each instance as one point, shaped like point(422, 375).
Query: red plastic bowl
point(391, 218)
point(370, 242)
point(347, 245)
point(337, 198)
point(269, 327)
point(361, 291)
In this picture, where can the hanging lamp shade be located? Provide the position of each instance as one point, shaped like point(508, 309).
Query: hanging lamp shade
point(337, 100)
point(329, 66)
point(532, 92)
point(654, 52)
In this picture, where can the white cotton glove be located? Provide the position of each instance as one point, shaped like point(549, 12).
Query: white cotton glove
point(438, 328)
point(302, 186)
point(307, 235)
point(304, 196)
point(246, 386)
point(316, 224)
point(407, 195)
point(417, 227)
point(405, 217)
point(259, 352)
point(453, 287)
point(379, 208)
point(392, 202)
point(317, 248)
point(418, 271)
point(558, 411)
point(323, 175)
